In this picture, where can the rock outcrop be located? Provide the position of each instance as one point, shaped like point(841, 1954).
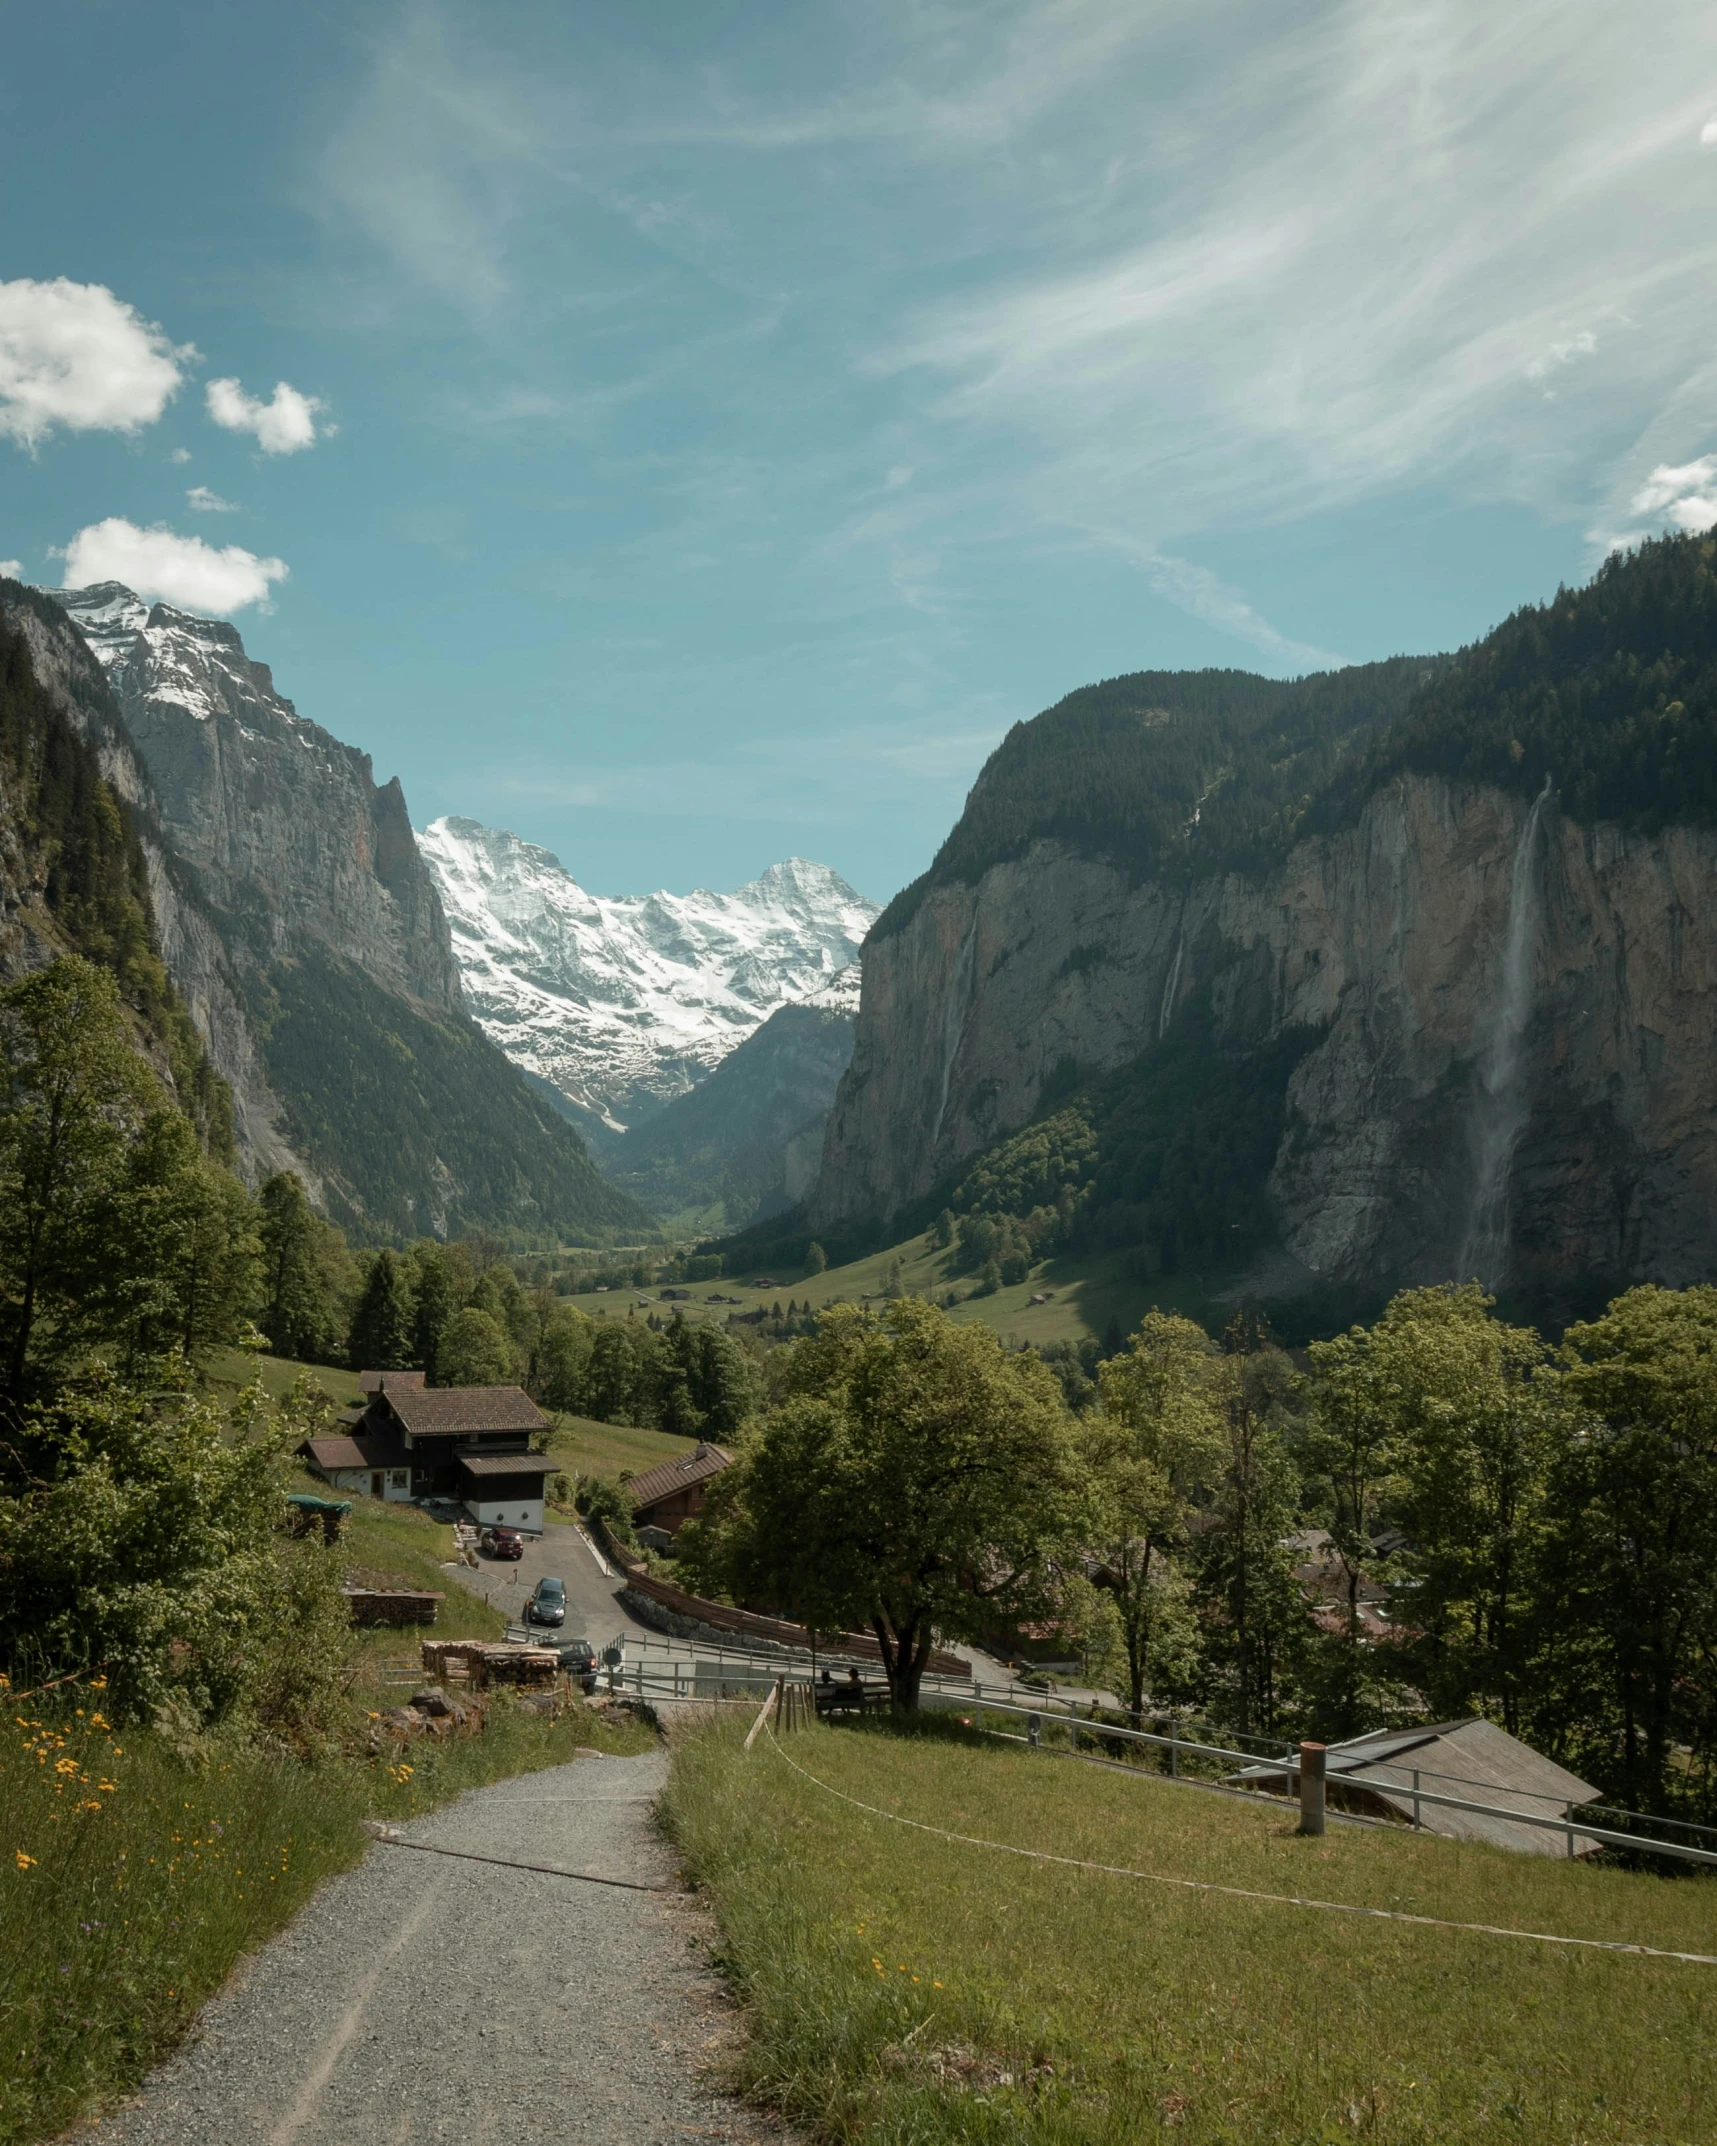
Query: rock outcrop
point(1388, 943)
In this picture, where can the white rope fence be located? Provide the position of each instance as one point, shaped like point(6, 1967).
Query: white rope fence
point(1233, 1892)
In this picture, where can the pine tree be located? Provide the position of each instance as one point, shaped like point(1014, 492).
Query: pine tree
point(299, 1313)
point(382, 1324)
point(434, 1312)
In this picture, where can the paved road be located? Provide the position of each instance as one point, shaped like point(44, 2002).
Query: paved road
point(560, 1552)
point(421, 1999)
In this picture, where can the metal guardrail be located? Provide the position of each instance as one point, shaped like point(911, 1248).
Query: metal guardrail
point(741, 1669)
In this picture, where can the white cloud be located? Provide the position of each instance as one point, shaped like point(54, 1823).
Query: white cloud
point(279, 427)
point(12, 569)
point(202, 501)
point(181, 570)
point(74, 355)
point(180, 454)
point(1708, 134)
point(1682, 496)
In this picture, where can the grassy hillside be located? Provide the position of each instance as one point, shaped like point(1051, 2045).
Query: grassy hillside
point(585, 1447)
point(228, 1371)
point(906, 1987)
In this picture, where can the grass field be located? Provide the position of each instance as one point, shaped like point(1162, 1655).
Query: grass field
point(904, 1988)
point(1085, 1295)
point(135, 1871)
point(229, 1371)
point(584, 1447)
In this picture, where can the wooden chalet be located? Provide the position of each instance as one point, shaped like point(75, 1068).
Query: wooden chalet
point(667, 1495)
point(469, 1444)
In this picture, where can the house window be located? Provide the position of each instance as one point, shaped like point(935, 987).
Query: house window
point(400, 1478)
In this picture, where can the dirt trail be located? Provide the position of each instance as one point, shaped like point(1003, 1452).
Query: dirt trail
point(419, 1998)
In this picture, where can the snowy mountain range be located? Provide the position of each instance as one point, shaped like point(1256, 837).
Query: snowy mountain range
point(619, 1003)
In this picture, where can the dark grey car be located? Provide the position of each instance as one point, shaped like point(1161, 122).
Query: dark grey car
point(547, 1604)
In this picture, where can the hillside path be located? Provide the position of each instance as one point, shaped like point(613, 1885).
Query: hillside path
point(422, 1999)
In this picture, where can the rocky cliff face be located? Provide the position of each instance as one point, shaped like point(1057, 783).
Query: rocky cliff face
point(282, 825)
point(188, 931)
point(306, 937)
point(1511, 1021)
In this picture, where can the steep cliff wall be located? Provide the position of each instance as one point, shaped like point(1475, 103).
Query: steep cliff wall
point(305, 936)
point(1388, 943)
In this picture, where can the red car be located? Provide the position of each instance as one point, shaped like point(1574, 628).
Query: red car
point(501, 1542)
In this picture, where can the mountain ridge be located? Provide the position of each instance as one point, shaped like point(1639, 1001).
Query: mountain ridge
point(623, 1002)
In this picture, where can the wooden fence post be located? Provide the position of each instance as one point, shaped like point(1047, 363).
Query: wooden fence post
point(1312, 1788)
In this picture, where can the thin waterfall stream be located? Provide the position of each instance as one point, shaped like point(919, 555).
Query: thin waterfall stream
point(1500, 1113)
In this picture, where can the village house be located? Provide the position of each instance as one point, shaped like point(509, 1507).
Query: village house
point(469, 1444)
point(666, 1496)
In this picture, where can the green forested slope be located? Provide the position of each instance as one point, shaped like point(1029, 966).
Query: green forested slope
point(421, 1124)
point(1167, 771)
point(72, 875)
point(1609, 691)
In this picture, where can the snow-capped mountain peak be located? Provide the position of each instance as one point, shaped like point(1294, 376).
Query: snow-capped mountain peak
point(621, 1002)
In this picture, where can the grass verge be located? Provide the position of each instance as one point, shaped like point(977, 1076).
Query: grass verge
point(136, 1868)
point(903, 1988)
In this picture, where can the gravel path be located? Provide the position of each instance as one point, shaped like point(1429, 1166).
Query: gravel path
point(418, 1998)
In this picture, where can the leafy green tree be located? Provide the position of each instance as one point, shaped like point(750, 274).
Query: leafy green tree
point(564, 1361)
point(1155, 1446)
point(185, 1253)
point(434, 1302)
point(74, 1094)
point(918, 1478)
point(1627, 1668)
point(142, 1531)
point(476, 1351)
point(616, 1371)
point(1353, 1449)
point(381, 1337)
point(300, 1314)
point(816, 1259)
point(722, 1382)
point(1477, 1417)
point(1256, 1616)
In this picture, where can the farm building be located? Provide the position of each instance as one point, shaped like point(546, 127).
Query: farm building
point(667, 1495)
point(468, 1443)
point(1392, 1772)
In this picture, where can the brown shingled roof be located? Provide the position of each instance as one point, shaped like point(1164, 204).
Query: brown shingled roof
point(668, 1476)
point(392, 1381)
point(363, 1449)
point(449, 1411)
point(537, 1464)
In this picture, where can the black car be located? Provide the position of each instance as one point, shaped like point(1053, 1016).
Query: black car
point(578, 1659)
point(547, 1604)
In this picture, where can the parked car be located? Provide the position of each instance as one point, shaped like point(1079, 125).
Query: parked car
point(501, 1542)
point(547, 1604)
point(578, 1659)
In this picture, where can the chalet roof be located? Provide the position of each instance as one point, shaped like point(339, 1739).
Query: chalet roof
point(359, 1449)
point(671, 1476)
point(392, 1381)
point(1474, 1760)
point(451, 1411)
point(487, 1464)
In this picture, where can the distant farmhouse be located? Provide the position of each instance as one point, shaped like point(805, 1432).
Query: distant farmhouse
point(470, 1444)
point(666, 1496)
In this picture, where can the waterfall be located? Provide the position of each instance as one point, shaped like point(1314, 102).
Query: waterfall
point(1173, 985)
point(954, 1021)
point(1499, 1117)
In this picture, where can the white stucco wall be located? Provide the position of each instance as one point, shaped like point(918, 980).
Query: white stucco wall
point(523, 1513)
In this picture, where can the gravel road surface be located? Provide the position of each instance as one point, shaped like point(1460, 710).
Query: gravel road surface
point(422, 1999)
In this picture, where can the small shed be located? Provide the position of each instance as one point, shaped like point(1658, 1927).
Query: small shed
point(667, 1495)
point(1391, 1772)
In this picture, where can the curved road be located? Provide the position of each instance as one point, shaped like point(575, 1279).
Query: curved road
point(422, 1999)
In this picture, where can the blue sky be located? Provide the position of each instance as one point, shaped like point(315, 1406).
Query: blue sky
point(708, 426)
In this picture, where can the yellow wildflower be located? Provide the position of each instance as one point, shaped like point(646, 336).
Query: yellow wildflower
point(26, 1862)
